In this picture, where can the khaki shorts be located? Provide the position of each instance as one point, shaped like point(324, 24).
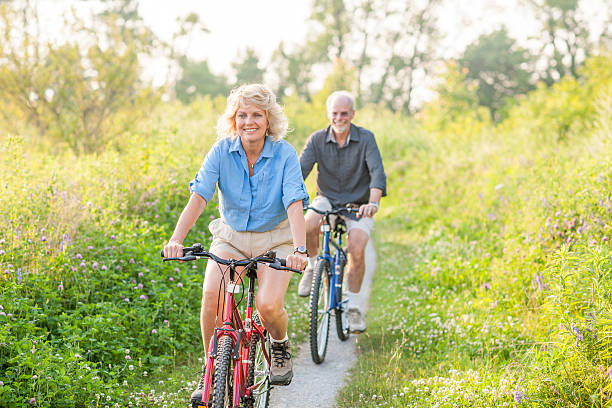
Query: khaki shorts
point(365, 224)
point(250, 244)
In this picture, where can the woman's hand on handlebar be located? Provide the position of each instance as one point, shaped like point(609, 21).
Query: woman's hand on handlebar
point(296, 261)
point(173, 249)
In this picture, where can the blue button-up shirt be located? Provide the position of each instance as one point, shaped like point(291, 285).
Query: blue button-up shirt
point(257, 203)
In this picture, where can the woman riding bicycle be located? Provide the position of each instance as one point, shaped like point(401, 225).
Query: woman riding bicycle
point(261, 200)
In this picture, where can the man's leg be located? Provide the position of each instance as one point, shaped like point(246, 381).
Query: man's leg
point(356, 242)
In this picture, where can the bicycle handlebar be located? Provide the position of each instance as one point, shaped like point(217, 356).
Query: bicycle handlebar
point(334, 211)
point(197, 251)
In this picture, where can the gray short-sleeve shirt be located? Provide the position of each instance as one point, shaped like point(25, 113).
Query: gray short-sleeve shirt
point(345, 174)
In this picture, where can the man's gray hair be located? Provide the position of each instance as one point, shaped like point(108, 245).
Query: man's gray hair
point(336, 94)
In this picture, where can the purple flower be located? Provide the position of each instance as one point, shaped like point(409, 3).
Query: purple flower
point(139, 286)
point(1, 384)
point(171, 279)
point(60, 287)
point(2, 241)
point(177, 270)
point(167, 323)
point(79, 256)
point(43, 238)
point(103, 267)
point(487, 285)
point(519, 397)
point(180, 285)
point(127, 300)
point(143, 297)
point(1, 307)
point(132, 260)
point(2, 252)
point(155, 332)
point(89, 247)
point(94, 265)
point(140, 274)
point(73, 268)
point(19, 275)
point(128, 357)
point(82, 264)
point(32, 401)
point(77, 356)
point(112, 237)
point(2, 314)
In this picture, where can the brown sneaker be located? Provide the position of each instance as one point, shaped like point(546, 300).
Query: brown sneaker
point(305, 283)
point(281, 370)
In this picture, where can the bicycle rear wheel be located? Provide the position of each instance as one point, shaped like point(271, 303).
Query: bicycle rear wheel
point(342, 325)
point(319, 312)
point(259, 370)
point(224, 374)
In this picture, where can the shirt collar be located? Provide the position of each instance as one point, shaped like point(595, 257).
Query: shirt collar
point(236, 146)
point(352, 136)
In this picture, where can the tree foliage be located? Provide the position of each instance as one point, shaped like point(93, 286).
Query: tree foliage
point(247, 68)
point(198, 79)
point(74, 92)
point(501, 68)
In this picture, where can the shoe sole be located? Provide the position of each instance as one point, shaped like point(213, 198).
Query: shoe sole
point(357, 331)
point(307, 295)
point(282, 381)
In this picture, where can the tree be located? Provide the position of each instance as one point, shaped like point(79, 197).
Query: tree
point(499, 67)
point(72, 92)
point(567, 36)
point(197, 79)
point(247, 68)
point(293, 70)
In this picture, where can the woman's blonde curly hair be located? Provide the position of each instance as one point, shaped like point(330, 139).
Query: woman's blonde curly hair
point(260, 96)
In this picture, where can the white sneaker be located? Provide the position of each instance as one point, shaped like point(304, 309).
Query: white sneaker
point(355, 319)
point(305, 283)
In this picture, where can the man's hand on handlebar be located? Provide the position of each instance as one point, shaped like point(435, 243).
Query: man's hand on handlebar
point(367, 210)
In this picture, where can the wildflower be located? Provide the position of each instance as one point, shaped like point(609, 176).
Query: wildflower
point(127, 351)
point(131, 367)
point(171, 279)
point(1, 384)
point(125, 382)
point(177, 270)
point(32, 401)
point(487, 285)
point(2, 314)
point(60, 287)
point(128, 357)
point(103, 267)
point(43, 238)
point(144, 373)
point(77, 356)
point(139, 286)
point(112, 237)
point(94, 265)
point(2, 241)
point(519, 397)
point(127, 300)
point(89, 247)
point(73, 268)
point(79, 256)
point(19, 275)
point(34, 377)
point(2, 252)
point(143, 297)
point(1, 307)
point(153, 332)
point(132, 260)
point(140, 274)
point(82, 264)
point(180, 285)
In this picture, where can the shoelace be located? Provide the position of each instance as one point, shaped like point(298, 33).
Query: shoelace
point(280, 354)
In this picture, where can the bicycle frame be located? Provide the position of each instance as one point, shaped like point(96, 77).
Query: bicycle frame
point(241, 332)
point(334, 297)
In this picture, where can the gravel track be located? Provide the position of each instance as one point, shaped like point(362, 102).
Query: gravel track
point(317, 385)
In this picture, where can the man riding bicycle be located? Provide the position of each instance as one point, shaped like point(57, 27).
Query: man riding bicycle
point(350, 172)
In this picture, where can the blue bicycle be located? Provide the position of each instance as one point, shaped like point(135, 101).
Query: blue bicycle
point(326, 293)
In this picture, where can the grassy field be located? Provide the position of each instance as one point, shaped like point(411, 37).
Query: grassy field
point(493, 284)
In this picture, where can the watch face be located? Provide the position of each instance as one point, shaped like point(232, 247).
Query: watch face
point(301, 249)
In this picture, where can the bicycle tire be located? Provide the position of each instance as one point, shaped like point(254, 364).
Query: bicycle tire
point(258, 370)
point(224, 374)
point(319, 312)
point(342, 326)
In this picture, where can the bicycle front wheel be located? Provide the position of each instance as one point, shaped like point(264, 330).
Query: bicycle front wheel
point(224, 374)
point(342, 325)
point(258, 373)
point(319, 312)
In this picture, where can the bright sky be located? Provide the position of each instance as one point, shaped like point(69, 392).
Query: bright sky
point(262, 25)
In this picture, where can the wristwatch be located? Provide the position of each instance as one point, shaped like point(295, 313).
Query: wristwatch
point(373, 203)
point(301, 250)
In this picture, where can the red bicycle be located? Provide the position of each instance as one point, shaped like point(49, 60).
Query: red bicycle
point(238, 363)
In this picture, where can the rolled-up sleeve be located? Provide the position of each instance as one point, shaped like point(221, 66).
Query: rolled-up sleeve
point(205, 180)
point(294, 188)
point(378, 179)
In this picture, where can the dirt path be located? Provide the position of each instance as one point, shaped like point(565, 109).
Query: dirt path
point(316, 385)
